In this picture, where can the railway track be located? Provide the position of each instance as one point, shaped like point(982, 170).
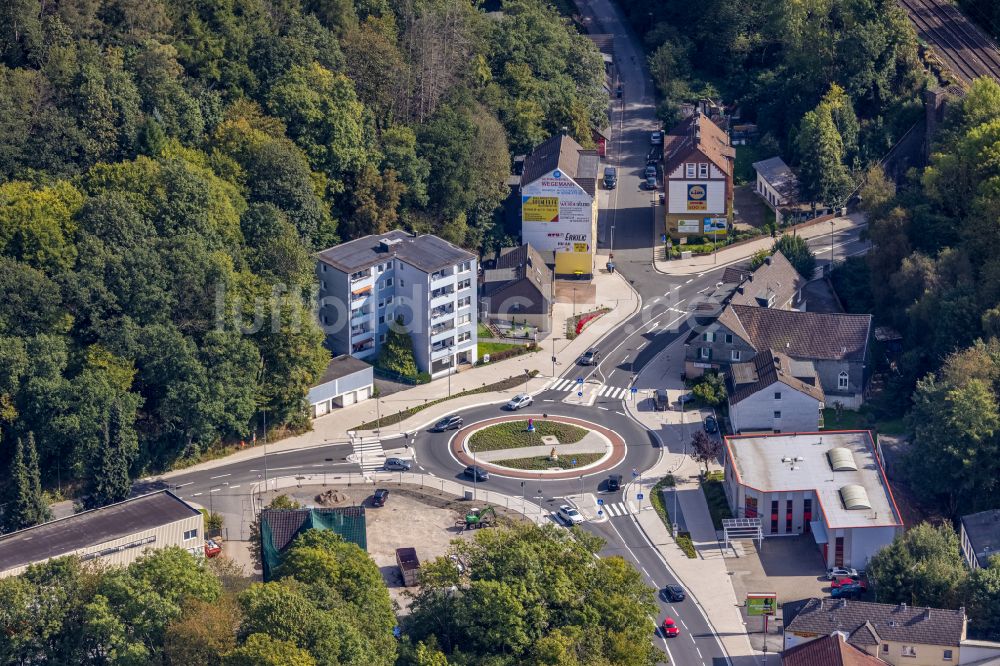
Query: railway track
point(960, 45)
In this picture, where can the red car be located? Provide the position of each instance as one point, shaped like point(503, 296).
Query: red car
point(670, 628)
point(848, 581)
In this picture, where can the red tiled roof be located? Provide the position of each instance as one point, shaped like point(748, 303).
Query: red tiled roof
point(828, 651)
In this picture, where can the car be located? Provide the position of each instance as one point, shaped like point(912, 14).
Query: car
point(610, 178)
point(650, 182)
point(847, 591)
point(670, 628)
point(660, 401)
point(656, 138)
point(590, 357)
point(380, 496)
point(448, 423)
point(569, 515)
point(619, 91)
point(477, 473)
point(685, 398)
point(650, 171)
point(846, 581)
point(673, 593)
point(711, 425)
point(614, 483)
point(397, 465)
point(840, 572)
point(518, 401)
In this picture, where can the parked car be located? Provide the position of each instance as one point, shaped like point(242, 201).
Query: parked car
point(569, 515)
point(651, 182)
point(614, 483)
point(397, 465)
point(619, 91)
point(518, 401)
point(590, 357)
point(673, 593)
point(660, 400)
point(847, 591)
point(670, 628)
point(685, 398)
point(477, 473)
point(448, 423)
point(656, 138)
point(610, 178)
point(380, 496)
point(846, 581)
point(650, 171)
point(840, 572)
point(711, 425)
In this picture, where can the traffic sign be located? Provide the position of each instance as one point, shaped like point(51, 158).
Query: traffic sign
point(634, 390)
point(663, 238)
point(600, 513)
point(639, 496)
point(574, 462)
point(600, 502)
point(579, 380)
point(579, 394)
point(635, 472)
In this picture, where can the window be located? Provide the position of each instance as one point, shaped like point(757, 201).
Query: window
point(464, 301)
point(807, 513)
point(734, 355)
point(381, 319)
point(462, 337)
point(947, 655)
point(709, 337)
point(706, 353)
point(777, 415)
point(788, 516)
point(380, 268)
point(322, 267)
point(908, 651)
point(777, 395)
point(387, 283)
point(464, 266)
point(689, 170)
point(774, 516)
point(464, 284)
point(464, 319)
point(842, 381)
point(703, 170)
point(885, 648)
point(381, 339)
point(401, 283)
point(190, 534)
point(750, 507)
point(729, 338)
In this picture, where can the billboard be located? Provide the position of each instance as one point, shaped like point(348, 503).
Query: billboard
point(688, 226)
point(716, 225)
point(697, 196)
point(762, 604)
point(539, 209)
point(575, 210)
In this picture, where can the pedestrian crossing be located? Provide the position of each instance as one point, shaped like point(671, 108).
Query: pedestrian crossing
point(617, 509)
point(368, 453)
point(605, 391)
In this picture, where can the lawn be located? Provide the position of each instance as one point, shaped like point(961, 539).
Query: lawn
point(492, 348)
point(543, 462)
point(847, 419)
point(715, 494)
point(515, 435)
point(656, 498)
point(483, 332)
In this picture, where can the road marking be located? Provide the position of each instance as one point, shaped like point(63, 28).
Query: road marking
point(215, 490)
point(647, 306)
point(604, 408)
point(679, 302)
point(278, 469)
point(196, 494)
point(318, 465)
point(421, 468)
point(689, 281)
point(547, 400)
point(656, 300)
point(181, 485)
point(644, 571)
point(621, 413)
point(236, 486)
point(698, 650)
point(218, 477)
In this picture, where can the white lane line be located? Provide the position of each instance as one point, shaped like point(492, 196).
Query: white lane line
point(656, 300)
point(317, 465)
point(604, 408)
point(679, 302)
point(181, 485)
point(698, 650)
point(681, 620)
point(215, 490)
point(219, 476)
point(646, 307)
point(236, 486)
point(689, 281)
point(644, 571)
point(278, 469)
point(547, 400)
point(196, 494)
point(620, 413)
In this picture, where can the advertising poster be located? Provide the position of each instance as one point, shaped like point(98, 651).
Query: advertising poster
point(575, 210)
point(761, 604)
point(697, 196)
point(716, 225)
point(540, 209)
point(688, 227)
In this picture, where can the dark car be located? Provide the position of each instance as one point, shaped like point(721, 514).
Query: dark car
point(448, 423)
point(660, 401)
point(614, 483)
point(619, 91)
point(673, 593)
point(610, 178)
point(711, 425)
point(650, 171)
point(847, 591)
point(397, 465)
point(477, 473)
point(380, 496)
point(650, 182)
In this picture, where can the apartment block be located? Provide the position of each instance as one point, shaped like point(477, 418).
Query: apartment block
point(369, 284)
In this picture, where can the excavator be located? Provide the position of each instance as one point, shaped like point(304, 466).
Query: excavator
point(478, 518)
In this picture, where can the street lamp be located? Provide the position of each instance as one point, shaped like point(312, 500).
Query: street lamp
point(831, 246)
point(554, 338)
point(527, 376)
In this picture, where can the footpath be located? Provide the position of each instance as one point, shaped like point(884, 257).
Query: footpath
point(611, 290)
point(740, 252)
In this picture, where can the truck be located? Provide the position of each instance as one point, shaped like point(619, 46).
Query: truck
point(409, 565)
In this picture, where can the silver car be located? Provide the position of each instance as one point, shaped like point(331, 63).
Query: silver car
point(520, 400)
point(569, 515)
point(397, 465)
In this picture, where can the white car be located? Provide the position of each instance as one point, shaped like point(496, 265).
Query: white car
point(520, 400)
point(656, 138)
point(839, 572)
point(569, 515)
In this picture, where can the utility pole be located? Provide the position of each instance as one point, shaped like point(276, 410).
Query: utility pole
point(527, 376)
point(554, 338)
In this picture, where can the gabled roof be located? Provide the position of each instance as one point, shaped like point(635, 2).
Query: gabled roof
point(563, 153)
point(428, 253)
point(779, 176)
point(828, 651)
point(983, 531)
point(523, 273)
point(865, 622)
point(775, 281)
point(698, 132)
point(818, 336)
point(766, 369)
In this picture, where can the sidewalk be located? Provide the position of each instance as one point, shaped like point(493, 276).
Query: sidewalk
point(743, 251)
point(612, 291)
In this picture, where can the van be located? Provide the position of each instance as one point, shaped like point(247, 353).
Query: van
point(610, 178)
point(660, 400)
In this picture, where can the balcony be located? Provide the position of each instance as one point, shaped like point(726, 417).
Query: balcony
point(442, 327)
point(440, 349)
point(359, 295)
point(362, 347)
point(361, 275)
point(358, 316)
point(361, 331)
point(443, 311)
point(439, 275)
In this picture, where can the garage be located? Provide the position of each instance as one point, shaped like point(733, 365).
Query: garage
point(345, 382)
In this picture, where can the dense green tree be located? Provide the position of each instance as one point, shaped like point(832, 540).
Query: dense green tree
point(109, 475)
point(922, 567)
point(797, 251)
point(823, 177)
point(396, 353)
point(262, 650)
point(25, 504)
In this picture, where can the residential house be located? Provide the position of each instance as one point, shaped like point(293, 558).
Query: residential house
point(777, 184)
point(367, 285)
point(773, 392)
point(832, 650)
point(559, 205)
point(836, 344)
point(698, 175)
point(518, 288)
point(346, 381)
point(980, 538)
point(896, 633)
point(774, 284)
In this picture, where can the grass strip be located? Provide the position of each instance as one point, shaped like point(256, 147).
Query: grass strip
point(544, 462)
point(515, 435)
point(715, 495)
point(683, 539)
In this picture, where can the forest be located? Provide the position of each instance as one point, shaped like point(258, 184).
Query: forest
point(167, 169)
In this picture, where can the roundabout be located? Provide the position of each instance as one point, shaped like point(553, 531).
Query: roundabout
point(538, 446)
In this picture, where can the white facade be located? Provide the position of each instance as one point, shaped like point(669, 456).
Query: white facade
point(778, 407)
point(769, 194)
point(700, 198)
point(557, 215)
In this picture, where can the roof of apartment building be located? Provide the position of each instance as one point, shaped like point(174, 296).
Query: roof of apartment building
point(768, 368)
point(812, 335)
point(563, 153)
point(983, 532)
point(867, 623)
point(773, 284)
point(839, 467)
point(779, 176)
point(519, 272)
point(698, 132)
point(426, 252)
point(72, 534)
point(829, 650)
